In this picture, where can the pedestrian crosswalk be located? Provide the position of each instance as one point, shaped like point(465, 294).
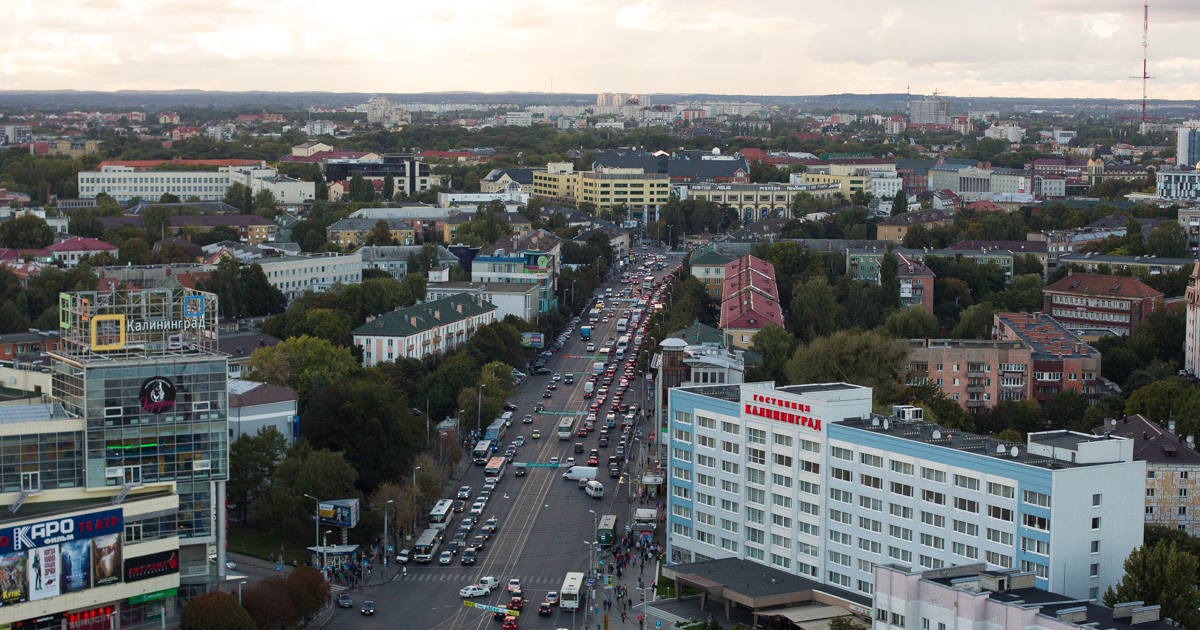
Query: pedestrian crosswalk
point(471, 578)
point(338, 588)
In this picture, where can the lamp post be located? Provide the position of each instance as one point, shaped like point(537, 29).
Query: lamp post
point(386, 550)
point(415, 469)
point(478, 411)
point(316, 520)
point(325, 549)
point(591, 563)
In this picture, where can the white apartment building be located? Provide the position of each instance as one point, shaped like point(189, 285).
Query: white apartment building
point(126, 182)
point(805, 479)
point(509, 298)
point(518, 119)
point(886, 186)
point(1008, 132)
point(294, 275)
point(1178, 185)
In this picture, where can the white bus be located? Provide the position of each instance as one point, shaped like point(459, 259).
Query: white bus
point(622, 325)
point(566, 427)
point(495, 468)
point(623, 342)
point(568, 597)
point(427, 545)
point(441, 514)
point(482, 451)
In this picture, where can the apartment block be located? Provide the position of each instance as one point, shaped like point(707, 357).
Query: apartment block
point(916, 283)
point(1059, 359)
point(1172, 470)
point(422, 330)
point(895, 228)
point(354, 232)
point(709, 269)
point(750, 299)
point(1085, 300)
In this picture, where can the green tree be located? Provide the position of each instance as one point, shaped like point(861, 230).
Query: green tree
point(265, 204)
point(1066, 408)
point(975, 323)
point(900, 203)
point(863, 358)
point(168, 198)
point(889, 280)
point(252, 460)
point(389, 187)
point(1168, 240)
point(845, 623)
point(1162, 575)
point(243, 290)
point(26, 232)
point(308, 591)
point(776, 346)
point(361, 190)
point(303, 363)
point(815, 310)
point(156, 219)
point(309, 234)
point(380, 235)
point(215, 610)
point(269, 604)
point(1027, 264)
point(240, 196)
point(304, 471)
point(913, 322)
point(135, 251)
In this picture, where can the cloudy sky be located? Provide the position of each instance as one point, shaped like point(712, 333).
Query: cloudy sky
point(1033, 48)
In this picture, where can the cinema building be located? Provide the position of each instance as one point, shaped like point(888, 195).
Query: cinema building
point(114, 488)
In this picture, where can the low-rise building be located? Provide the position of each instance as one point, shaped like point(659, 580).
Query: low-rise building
point(1058, 359)
point(755, 202)
point(239, 346)
point(1085, 300)
point(422, 330)
point(916, 283)
point(1111, 263)
point(255, 406)
point(1172, 464)
point(394, 258)
point(751, 299)
point(709, 269)
point(294, 275)
point(21, 345)
point(68, 252)
point(532, 259)
point(354, 232)
point(895, 228)
point(509, 298)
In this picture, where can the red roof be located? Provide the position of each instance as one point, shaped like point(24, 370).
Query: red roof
point(146, 164)
point(1101, 285)
point(77, 244)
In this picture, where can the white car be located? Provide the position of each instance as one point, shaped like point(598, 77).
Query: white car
point(478, 507)
point(514, 585)
point(446, 558)
point(475, 590)
point(554, 460)
point(591, 347)
point(570, 461)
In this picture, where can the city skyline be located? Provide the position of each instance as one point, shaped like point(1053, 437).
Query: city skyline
point(1039, 48)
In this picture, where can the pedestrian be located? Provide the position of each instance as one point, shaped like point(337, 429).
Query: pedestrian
point(622, 616)
point(631, 602)
point(406, 572)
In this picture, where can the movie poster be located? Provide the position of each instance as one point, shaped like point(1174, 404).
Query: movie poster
point(76, 565)
point(106, 559)
point(45, 572)
point(13, 578)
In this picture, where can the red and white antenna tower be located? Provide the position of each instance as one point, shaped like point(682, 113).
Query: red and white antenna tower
point(1145, 69)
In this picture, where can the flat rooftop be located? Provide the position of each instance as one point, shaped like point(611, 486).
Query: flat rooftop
point(753, 581)
point(820, 391)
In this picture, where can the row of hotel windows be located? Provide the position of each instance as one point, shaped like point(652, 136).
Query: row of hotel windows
point(154, 180)
point(1098, 316)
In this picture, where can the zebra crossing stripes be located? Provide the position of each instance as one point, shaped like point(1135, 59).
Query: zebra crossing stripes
point(464, 577)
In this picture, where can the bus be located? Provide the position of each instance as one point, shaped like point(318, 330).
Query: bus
point(427, 545)
point(623, 342)
point(495, 432)
point(441, 514)
point(482, 450)
point(566, 427)
point(572, 588)
point(495, 468)
point(594, 315)
point(622, 325)
point(645, 520)
point(606, 530)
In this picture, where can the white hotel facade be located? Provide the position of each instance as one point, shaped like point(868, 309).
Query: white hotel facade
point(805, 479)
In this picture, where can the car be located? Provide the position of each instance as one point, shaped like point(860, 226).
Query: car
point(539, 407)
point(583, 482)
point(468, 556)
point(516, 603)
point(368, 607)
point(477, 508)
point(345, 601)
point(464, 492)
point(552, 597)
point(557, 377)
point(528, 419)
point(510, 623)
point(475, 590)
point(614, 472)
point(514, 585)
point(591, 347)
point(570, 461)
point(546, 394)
point(593, 461)
point(604, 440)
point(510, 406)
point(569, 379)
point(490, 581)
point(520, 439)
point(554, 460)
point(453, 546)
point(552, 385)
point(492, 525)
point(545, 609)
point(459, 505)
point(536, 434)
point(466, 525)
point(500, 614)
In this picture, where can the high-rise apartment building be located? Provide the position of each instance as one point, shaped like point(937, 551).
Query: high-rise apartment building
point(929, 111)
point(1187, 147)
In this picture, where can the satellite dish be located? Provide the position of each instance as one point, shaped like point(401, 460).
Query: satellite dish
point(1015, 451)
point(716, 151)
point(937, 435)
point(1000, 448)
point(886, 424)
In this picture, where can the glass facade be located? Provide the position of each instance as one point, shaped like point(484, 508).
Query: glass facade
point(46, 461)
point(185, 442)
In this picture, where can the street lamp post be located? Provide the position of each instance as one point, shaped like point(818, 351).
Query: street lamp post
point(478, 411)
point(386, 550)
point(316, 520)
point(415, 469)
point(325, 549)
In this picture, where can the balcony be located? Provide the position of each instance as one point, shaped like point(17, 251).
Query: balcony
point(974, 389)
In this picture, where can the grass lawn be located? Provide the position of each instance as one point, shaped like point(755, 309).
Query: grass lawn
point(261, 544)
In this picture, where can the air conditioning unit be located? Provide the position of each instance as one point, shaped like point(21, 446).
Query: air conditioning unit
point(908, 413)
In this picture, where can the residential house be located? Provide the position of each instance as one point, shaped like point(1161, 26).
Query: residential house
point(239, 346)
point(21, 345)
point(394, 258)
point(1172, 464)
point(751, 299)
point(509, 298)
point(895, 228)
point(709, 268)
point(419, 331)
point(255, 406)
point(68, 252)
point(916, 283)
point(354, 232)
point(1085, 300)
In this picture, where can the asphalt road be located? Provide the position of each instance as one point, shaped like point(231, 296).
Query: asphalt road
point(544, 519)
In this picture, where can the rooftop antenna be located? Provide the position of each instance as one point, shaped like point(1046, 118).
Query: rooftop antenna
point(1145, 70)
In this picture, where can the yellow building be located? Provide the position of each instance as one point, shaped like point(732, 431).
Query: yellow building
point(629, 186)
point(559, 182)
point(73, 148)
point(354, 232)
point(849, 184)
point(895, 228)
point(709, 269)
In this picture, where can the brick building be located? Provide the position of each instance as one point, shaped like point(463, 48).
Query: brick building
point(1085, 300)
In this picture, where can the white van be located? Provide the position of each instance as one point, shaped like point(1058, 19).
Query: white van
point(620, 353)
point(595, 489)
point(507, 417)
point(581, 472)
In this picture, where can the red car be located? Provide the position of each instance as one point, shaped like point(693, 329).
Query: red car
point(510, 623)
point(516, 603)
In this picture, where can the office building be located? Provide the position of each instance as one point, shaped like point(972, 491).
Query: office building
point(1177, 185)
point(1187, 147)
point(294, 275)
point(410, 174)
point(1085, 300)
point(644, 193)
point(132, 455)
point(422, 330)
point(806, 479)
point(532, 259)
point(978, 596)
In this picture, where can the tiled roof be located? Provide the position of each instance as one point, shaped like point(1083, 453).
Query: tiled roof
point(252, 393)
point(1103, 286)
point(711, 258)
point(1151, 441)
point(910, 267)
point(423, 317)
point(918, 217)
point(750, 310)
point(77, 244)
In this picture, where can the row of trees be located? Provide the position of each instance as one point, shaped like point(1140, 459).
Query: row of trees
point(276, 603)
